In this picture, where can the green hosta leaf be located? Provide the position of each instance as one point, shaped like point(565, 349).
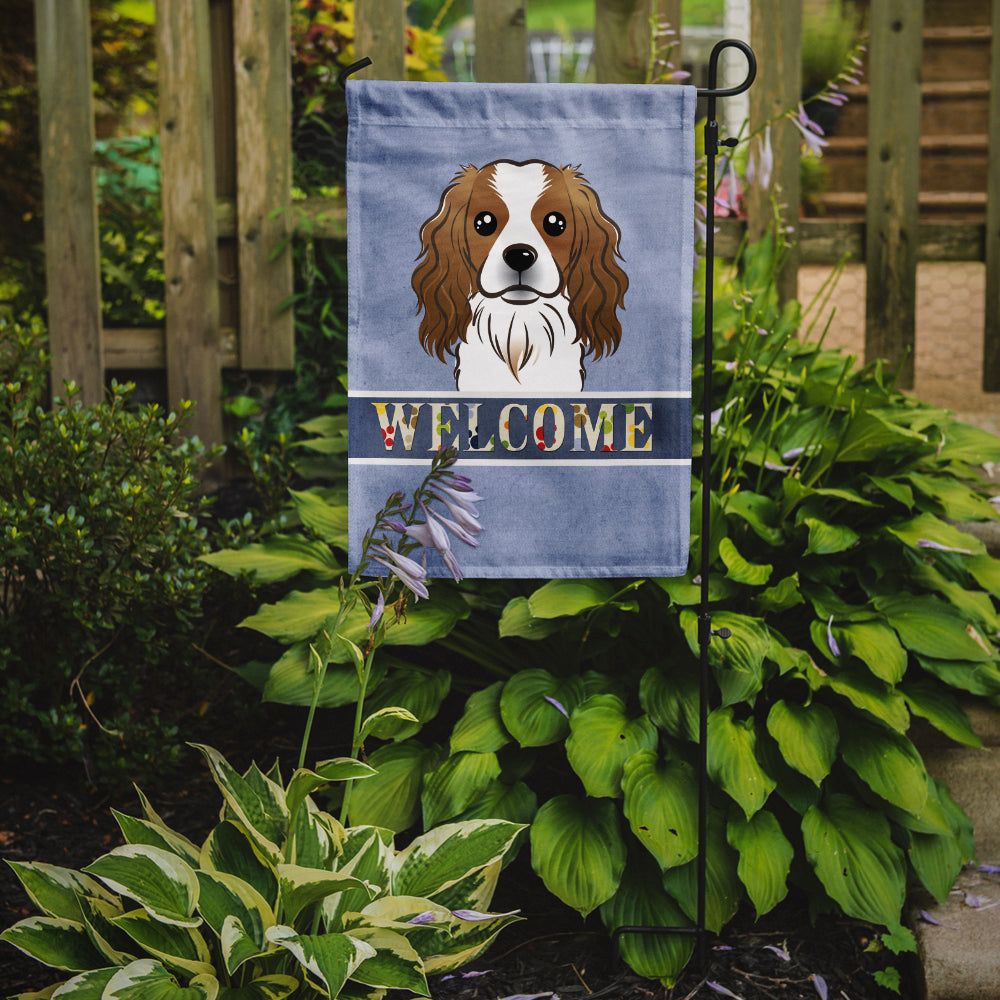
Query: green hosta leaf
point(661, 799)
point(758, 511)
point(304, 782)
point(683, 591)
point(301, 887)
point(827, 539)
point(530, 706)
point(180, 948)
point(279, 558)
point(466, 941)
point(976, 678)
point(723, 889)
point(893, 488)
point(671, 699)
point(517, 620)
point(738, 661)
point(159, 881)
point(739, 569)
point(141, 831)
point(765, 858)
point(54, 941)
point(391, 798)
point(274, 987)
point(515, 803)
point(230, 849)
point(456, 784)
point(260, 809)
point(937, 859)
point(865, 692)
point(386, 723)
point(327, 520)
point(869, 436)
point(941, 709)
point(807, 736)
point(602, 738)
point(56, 891)
point(225, 897)
point(395, 964)
point(291, 680)
point(481, 728)
point(928, 528)
point(438, 859)
point(986, 571)
point(976, 605)
point(965, 443)
point(957, 501)
point(876, 646)
point(415, 689)
point(330, 959)
point(850, 847)
point(641, 901)
point(558, 598)
point(783, 595)
point(932, 628)
point(888, 763)
point(732, 760)
point(147, 979)
point(578, 851)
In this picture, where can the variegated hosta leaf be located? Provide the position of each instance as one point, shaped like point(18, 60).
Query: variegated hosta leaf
point(456, 784)
point(56, 891)
point(158, 880)
point(177, 947)
point(395, 964)
point(481, 727)
point(315, 838)
point(256, 801)
point(441, 857)
point(54, 941)
point(275, 987)
point(578, 851)
point(304, 782)
point(300, 887)
point(642, 902)
point(116, 947)
point(468, 939)
point(765, 858)
point(87, 986)
point(329, 959)
point(141, 831)
point(230, 849)
point(850, 847)
point(661, 799)
point(602, 737)
point(807, 736)
point(367, 853)
point(475, 891)
point(147, 979)
point(225, 897)
point(732, 760)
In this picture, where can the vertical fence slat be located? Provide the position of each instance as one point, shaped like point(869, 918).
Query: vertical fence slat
point(892, 215)
point(501, 40)
point(261, 57)
point(670, 12)
point(72, 257)
point(991, 332)
point(380, 34)
point(776, 35)
point(621, 40)
point(190, 253)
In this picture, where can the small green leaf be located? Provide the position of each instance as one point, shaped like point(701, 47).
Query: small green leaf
point(765, 858)
point(739, 569)
point(807, 736)
point(670, 698)
point(558, 598)
point(328, 521)
point(888, 763)
point(930, 627)
point(732, 760)
point(828, 539)
point(941, 709)
point(56, 891)
point(279, 558)
point(456, 784)
point(391, 798)
point(518, 621)
point(481, 727)
point(535, 706)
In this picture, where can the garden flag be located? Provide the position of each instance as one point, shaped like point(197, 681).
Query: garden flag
point(519, 274)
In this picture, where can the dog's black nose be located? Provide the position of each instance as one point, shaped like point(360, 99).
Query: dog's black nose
point(519, 257)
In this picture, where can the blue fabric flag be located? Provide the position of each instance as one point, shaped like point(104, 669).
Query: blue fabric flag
point(520, 273)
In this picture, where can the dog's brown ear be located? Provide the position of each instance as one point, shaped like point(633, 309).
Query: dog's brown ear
point(596, 283)
point(444, 278)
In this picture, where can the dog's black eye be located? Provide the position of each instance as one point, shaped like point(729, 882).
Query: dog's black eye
point(554, 224)
point(485, 223)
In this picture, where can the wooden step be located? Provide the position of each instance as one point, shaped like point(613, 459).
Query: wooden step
point(957, 206)
point(956, 53)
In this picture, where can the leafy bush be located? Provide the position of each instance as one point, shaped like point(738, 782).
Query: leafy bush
point(854, 603)
point(279, 899)
point(99, 540)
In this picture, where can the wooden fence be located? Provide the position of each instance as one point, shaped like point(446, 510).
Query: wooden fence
point(226, 161)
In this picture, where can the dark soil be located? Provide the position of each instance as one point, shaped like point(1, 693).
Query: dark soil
point(551, 952)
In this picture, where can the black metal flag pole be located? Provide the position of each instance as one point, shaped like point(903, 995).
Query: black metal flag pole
point(705, 631)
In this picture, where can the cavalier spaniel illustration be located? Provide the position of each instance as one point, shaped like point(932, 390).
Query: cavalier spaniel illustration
point(517, 277)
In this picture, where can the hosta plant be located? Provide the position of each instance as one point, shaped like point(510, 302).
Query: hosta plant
point(279, 900)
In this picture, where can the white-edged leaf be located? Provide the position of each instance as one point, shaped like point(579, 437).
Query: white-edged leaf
point(330, 959)
point(54, 941)
point(147, 979)
point(177, 947)
point(56, 891)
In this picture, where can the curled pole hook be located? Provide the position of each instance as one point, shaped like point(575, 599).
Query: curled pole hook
point(713, 91)
point(353, 68)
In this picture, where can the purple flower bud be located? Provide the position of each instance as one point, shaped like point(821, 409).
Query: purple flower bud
point(377, 612)
point(834, 648)
point(558, 705)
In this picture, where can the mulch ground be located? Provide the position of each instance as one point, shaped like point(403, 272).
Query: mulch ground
point(551, 952)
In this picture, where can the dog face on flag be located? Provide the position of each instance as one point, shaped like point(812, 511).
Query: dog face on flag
point(518, 277)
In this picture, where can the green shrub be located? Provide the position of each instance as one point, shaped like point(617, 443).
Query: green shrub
point(99, 541)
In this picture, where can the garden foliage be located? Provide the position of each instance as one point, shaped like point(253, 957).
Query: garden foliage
point(99, 546)
point(855, 605)
point(280, 899)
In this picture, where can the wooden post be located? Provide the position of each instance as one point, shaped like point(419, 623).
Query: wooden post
point(622, 40)
point(501, 41)
point(669, 11)
point(190, 254)
point(262, 60)
point(893, 183)
point(72, 255)
point(776, 35)
point(380, 34)
point(991, 333)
